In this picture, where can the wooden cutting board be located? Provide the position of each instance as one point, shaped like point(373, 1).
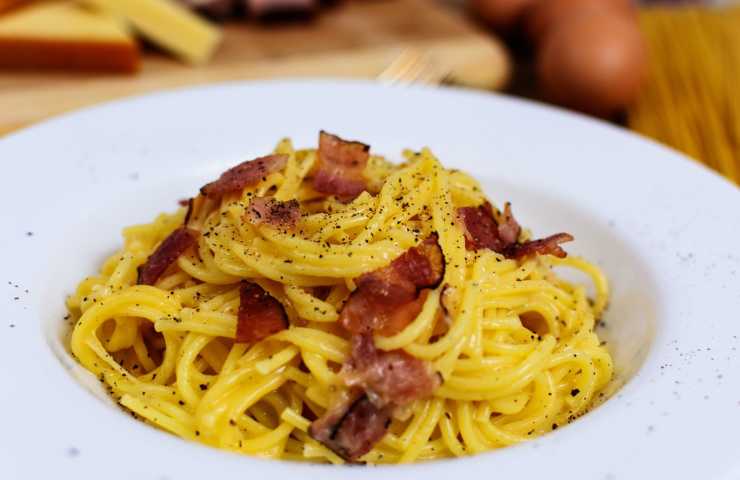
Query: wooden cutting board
point(352, 39)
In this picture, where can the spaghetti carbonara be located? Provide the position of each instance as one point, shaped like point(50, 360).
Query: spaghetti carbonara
point(326, 305)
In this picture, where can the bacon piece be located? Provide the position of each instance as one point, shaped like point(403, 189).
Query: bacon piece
point(423, 265)
point(483, 231)
point(364, 313)
point(499, 232)
point(389, 378)
point(352, 428)
point(544, 246)
point(244, 175)
point(385, 301)
point(339, 167)
point(380, 383)
point(419, 267)
point(388, 299)
point(278, 214)
point(508, 228)
point(165, 255)
point(260, 315)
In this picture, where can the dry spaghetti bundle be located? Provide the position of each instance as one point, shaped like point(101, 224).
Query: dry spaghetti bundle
point(327, 305)
point(691, 101)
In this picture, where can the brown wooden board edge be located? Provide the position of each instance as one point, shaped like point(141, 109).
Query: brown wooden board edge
point(477, 61)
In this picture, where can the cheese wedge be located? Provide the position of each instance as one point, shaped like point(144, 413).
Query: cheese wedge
point(63, 35)
point(167, 24)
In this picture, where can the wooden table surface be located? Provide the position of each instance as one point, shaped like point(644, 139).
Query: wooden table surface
point(352, 39)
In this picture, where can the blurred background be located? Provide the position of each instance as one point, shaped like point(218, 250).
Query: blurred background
point(669, 70)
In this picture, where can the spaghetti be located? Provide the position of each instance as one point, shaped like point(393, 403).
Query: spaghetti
point(232, 329)
point(691, 101)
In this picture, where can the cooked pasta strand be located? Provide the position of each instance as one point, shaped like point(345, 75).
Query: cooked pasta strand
point(515, 344)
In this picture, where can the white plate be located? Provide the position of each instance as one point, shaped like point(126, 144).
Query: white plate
point(666, 231)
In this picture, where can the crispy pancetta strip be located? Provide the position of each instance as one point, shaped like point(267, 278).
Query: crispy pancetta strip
point(165, 255)
point(260, 315)
point(339, 167)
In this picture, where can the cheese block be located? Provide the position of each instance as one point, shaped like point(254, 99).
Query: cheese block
point(169, 25)
point(63, 35)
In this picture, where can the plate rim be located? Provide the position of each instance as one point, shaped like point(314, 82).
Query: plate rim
point(59, 121)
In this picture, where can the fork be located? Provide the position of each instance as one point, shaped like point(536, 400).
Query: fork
point(413, 66)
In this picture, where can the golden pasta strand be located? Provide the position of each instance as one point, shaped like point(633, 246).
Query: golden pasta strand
point(515, 343)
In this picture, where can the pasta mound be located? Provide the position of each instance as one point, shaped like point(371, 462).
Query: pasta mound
point(516, 350)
